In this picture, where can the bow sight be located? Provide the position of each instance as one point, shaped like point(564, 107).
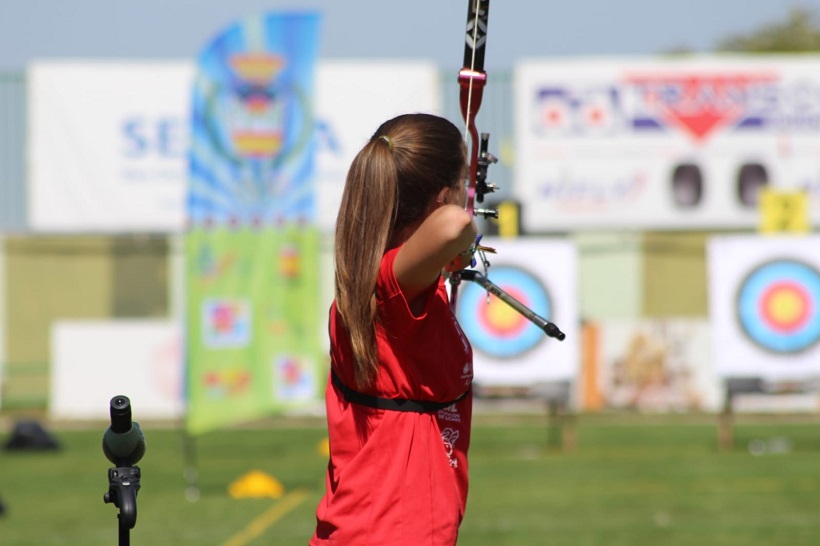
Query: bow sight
point(482, 187)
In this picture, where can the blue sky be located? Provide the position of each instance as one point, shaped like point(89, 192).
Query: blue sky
point(426, 29)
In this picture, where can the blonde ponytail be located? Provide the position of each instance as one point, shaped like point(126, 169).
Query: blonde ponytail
point(362, 230)
point(389, 186)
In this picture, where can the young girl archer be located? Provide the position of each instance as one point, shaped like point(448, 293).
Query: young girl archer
point(398, 399)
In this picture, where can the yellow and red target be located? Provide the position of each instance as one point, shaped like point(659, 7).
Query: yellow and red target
point(492, 326)
point(778, 306)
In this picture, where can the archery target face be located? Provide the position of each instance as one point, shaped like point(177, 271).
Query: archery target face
point(495, 328)
point(778, 306)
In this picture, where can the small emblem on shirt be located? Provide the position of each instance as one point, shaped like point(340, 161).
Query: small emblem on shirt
point(450, 413)
point(449, 436)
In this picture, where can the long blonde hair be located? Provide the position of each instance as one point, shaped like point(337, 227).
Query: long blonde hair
point(389, 186)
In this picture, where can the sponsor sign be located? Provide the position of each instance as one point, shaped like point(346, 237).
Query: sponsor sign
point(108, 145)
point(653, 366)
point(663, 143)
point(109, 140)
point(93, 361)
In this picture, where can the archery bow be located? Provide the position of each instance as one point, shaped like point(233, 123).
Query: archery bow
point(471, 80)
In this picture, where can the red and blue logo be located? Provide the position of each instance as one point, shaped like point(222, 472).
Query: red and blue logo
point(698, 104)
point(591, 111)
point(778, 306)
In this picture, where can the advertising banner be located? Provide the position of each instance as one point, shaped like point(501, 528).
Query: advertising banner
point(252, 325)
point(671, 143)
point(654, 366)
point(108, 144)
point(109, 139)
point(764, 306)
point(353, 98)
point(508, 350)
point(93, 361)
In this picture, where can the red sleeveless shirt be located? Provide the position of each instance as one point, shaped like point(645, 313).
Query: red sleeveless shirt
point(399, 478)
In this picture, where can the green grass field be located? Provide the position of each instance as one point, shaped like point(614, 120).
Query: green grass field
point(631, 481)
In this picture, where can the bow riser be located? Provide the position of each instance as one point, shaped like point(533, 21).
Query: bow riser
point(472, 91)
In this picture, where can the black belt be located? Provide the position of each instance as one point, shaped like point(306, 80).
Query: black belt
point(392, 404)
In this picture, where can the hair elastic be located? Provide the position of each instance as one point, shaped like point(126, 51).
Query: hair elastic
point(387, 139)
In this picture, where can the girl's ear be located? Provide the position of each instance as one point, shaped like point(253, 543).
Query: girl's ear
point(442, 196)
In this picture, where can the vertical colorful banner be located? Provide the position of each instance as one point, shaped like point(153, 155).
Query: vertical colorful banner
point(252, 242)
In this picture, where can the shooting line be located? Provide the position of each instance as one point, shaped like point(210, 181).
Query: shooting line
point(268, 518)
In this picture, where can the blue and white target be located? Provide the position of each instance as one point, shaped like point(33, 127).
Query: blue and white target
point(495, 328)
point(778, 306)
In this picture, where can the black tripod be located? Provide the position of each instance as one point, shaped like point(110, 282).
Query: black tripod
point(124, 445)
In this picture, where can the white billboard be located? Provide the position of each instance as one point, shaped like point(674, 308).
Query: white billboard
point(663, 143)
point(108, 141)
point(108, 145)
point(352, 99)
point(654, 365)
point(93, 361)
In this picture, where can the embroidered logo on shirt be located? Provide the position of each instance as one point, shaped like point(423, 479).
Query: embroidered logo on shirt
point(449, 437)
point(450, 413)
